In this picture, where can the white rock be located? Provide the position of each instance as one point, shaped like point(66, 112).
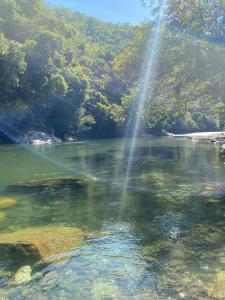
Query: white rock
point(23, 275)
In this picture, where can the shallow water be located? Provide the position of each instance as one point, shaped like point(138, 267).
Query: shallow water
point(165, 239)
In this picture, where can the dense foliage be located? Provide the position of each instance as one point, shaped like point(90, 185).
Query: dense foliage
point(69, 74)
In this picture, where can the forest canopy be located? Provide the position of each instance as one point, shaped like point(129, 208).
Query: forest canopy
point(69, 74)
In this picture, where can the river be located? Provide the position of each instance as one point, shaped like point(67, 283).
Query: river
point(165, 239)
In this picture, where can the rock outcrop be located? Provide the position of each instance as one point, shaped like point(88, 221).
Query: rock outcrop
point(37, 138)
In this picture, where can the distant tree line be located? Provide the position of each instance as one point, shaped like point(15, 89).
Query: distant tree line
point(65, 73)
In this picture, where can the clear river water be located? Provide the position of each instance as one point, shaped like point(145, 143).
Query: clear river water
point(163, 239)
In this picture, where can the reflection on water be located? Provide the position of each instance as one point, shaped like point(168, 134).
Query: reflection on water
point(165, 240)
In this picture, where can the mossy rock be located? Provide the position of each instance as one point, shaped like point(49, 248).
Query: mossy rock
point(49, 184)
point(41, 242)
point(7, 202)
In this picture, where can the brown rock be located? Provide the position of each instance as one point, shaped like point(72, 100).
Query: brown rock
point(43, 241)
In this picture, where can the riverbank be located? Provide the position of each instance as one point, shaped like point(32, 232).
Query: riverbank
point(207, 137)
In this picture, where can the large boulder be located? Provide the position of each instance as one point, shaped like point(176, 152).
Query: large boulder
point(41, 242)
point(37, 138)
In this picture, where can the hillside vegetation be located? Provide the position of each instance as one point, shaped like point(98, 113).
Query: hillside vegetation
point(69, 74)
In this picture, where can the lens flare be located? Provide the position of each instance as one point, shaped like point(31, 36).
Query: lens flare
point(145, 85)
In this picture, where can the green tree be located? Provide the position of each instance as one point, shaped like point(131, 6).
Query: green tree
point(12, 66)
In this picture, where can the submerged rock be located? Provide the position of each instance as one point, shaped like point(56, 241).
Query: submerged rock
point(104, 290)
point(43, 241)
point(23, 275)
point(156, 247)
point(205, 234)
point(49, 184)
point(7, 202)
point(150, 295)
